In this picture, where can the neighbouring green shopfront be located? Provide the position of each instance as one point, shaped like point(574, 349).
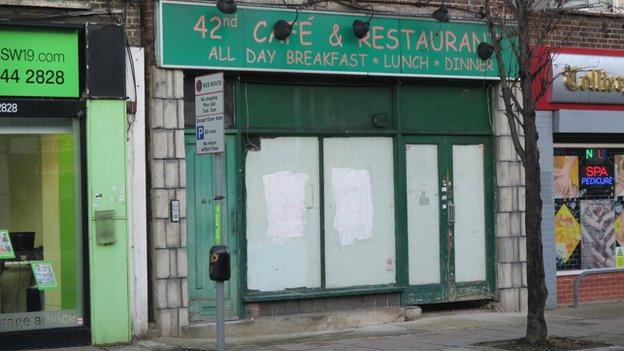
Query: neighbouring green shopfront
point(62, 184)
point(341, 185)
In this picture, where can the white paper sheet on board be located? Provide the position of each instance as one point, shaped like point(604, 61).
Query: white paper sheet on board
point(284, 193)
point(354, 204)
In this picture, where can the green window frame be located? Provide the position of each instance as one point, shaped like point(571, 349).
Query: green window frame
point(468, 99)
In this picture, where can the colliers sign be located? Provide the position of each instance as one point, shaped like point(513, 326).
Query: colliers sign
point(576, 79)
point(197, 35)
point(588, 79)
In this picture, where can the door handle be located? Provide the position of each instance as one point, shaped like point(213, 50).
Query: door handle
point(451, 212)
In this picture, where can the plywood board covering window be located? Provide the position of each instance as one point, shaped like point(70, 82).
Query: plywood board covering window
point(283, 230)
point(284, 216)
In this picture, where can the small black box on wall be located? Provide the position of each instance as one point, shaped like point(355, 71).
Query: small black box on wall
point(106, 64)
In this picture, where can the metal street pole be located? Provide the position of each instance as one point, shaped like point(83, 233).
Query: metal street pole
point(209, 118)
point(219, 170)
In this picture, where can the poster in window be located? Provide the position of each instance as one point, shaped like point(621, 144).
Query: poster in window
point(618, 160)
point(567, 231)
point(598, 233)
point(619, 256)
point(44, 275)
point(619, 220)
point(619, 228)
point(567, 257)
point(6, 248)
point(566, 177)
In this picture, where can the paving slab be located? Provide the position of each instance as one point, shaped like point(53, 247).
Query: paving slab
point(432, 332)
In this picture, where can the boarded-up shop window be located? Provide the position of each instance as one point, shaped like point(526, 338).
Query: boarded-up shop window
point(282, 213)
point(423, 214)
point(469, 225)
point(359, 211)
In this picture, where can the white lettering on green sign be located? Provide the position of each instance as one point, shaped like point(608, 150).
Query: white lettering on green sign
point(199, 36)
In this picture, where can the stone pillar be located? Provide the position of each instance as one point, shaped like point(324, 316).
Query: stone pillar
point(544, 120)
point(167, 172)
point(510, 231)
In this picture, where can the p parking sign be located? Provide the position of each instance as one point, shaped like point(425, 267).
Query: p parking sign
point(200, 132)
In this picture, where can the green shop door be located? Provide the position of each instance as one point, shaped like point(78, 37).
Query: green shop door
point(449, 219)
point(200, 232)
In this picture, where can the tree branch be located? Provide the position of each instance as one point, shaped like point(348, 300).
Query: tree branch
point(510, 112)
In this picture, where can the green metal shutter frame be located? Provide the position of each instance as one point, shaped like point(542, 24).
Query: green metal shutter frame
point(437, 109)
point(108, 264)
point(313, 107)
point(445, 109)
point(424, 108)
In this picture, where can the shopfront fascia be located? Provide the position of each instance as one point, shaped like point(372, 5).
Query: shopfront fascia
point(354, 167)
point(62, 180)
point(581, 127)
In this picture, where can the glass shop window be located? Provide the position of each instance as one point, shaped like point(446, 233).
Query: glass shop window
point(588, 187)
point(40, 224)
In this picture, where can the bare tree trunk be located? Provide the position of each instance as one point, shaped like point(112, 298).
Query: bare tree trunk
point(537, 331)
point(522, 13)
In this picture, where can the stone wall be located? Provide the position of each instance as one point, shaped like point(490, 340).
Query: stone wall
point(545, 144)
point(321, 305)
point(511, 237)
point(166, 182)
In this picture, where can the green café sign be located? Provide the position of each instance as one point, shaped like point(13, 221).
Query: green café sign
point(197, 35)
point(38, 62)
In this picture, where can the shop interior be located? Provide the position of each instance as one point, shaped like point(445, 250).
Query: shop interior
point(39, 246)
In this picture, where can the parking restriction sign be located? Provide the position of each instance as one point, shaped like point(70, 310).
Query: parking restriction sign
point(209, 114)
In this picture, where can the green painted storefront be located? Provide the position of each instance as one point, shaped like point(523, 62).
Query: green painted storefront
point(417, 113)
point(348, 175)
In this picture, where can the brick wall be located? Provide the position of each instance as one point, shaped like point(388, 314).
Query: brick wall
point(589, 31)
point(598, 287)
point(73, 11)
point(148, 36)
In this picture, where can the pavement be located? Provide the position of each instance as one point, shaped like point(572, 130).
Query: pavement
point(448, 331)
